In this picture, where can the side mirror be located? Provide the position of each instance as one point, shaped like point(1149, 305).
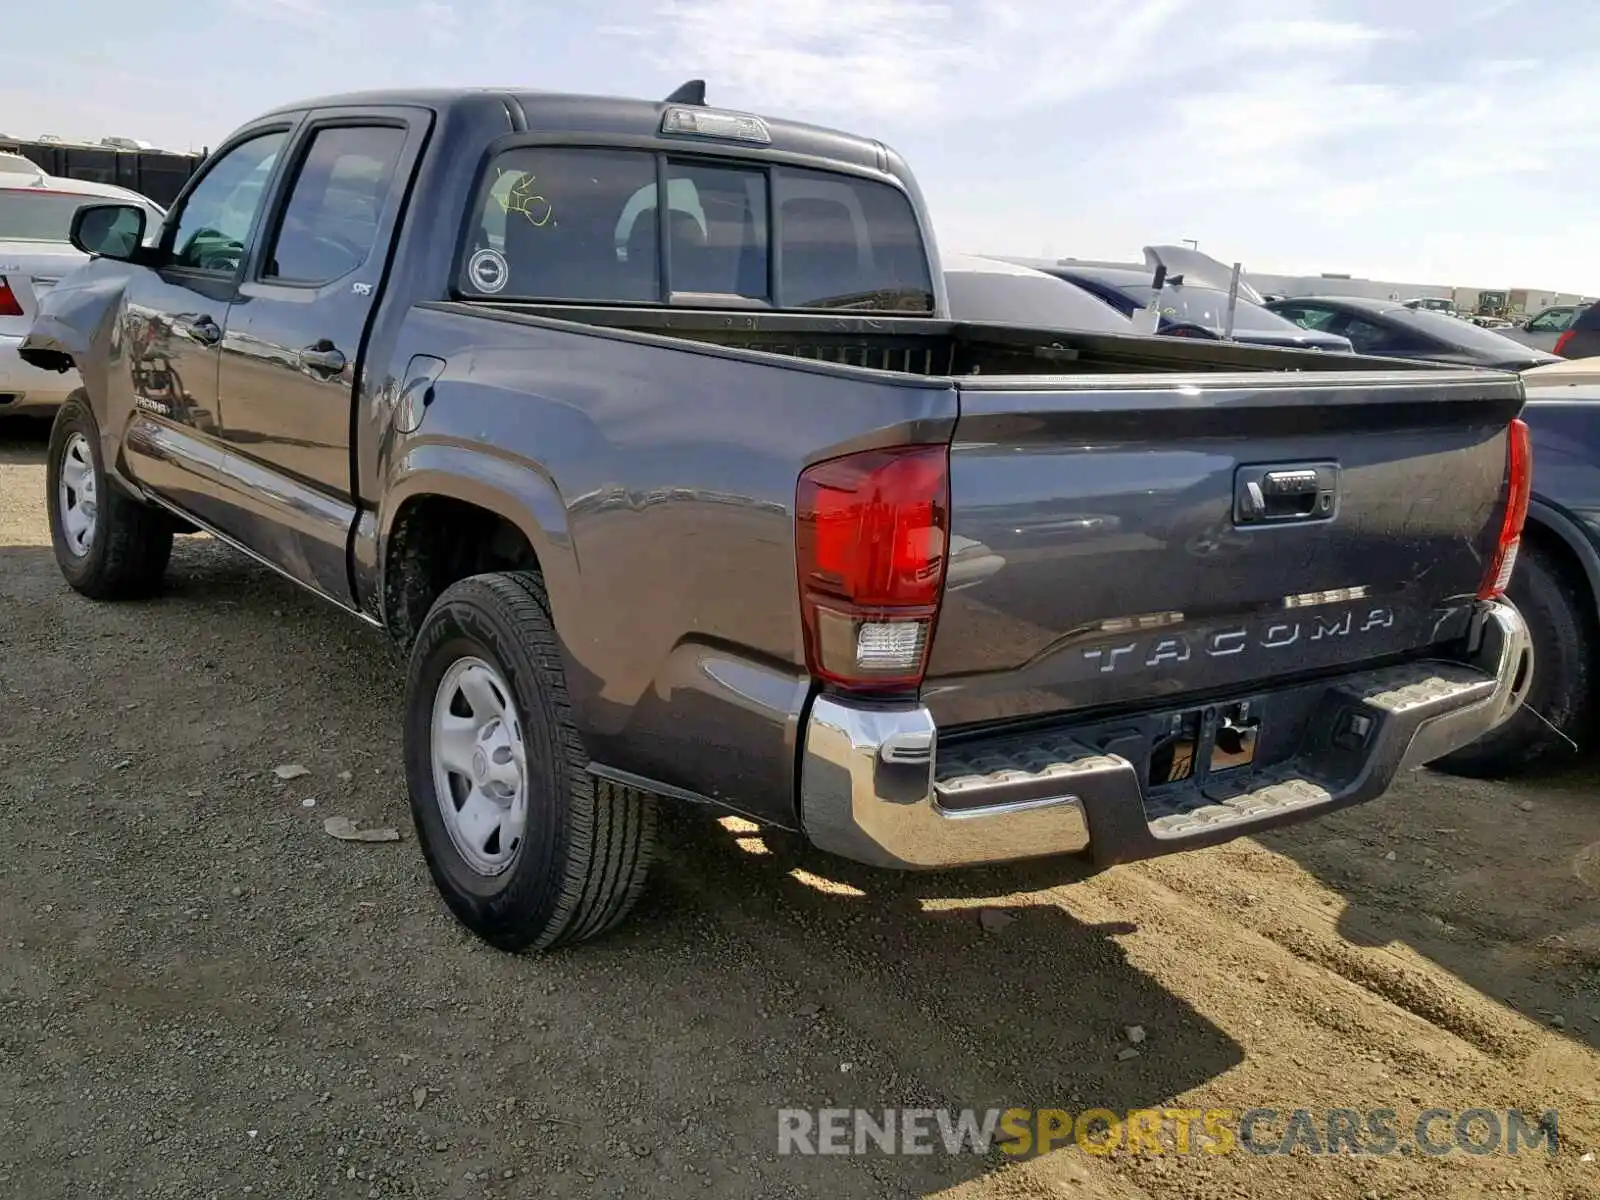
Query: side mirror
point(109, 230)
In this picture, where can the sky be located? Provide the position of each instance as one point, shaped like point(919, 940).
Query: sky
point(1426, 141)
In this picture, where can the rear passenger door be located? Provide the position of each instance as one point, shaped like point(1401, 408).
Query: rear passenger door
point(291, 353)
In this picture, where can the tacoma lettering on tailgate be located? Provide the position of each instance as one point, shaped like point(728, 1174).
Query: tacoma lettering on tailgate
point(1267, 634)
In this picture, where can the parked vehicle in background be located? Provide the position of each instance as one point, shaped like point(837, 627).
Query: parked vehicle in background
point(645, 430)
point(994, 291)
point(1544, 329)
point(36, 212)
point(1582, 337)
point(1556, 584)
point(1433, 304)
point(1196, 312)
point(1388, 329)
point(157, 175)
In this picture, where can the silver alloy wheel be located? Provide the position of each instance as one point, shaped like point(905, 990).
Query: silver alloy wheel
point(480, 770)
point(76, 495)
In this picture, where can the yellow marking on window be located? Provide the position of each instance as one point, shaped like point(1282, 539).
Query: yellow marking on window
point(523, 200)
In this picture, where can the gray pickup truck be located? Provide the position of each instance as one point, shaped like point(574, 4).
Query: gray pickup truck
point(644, 429)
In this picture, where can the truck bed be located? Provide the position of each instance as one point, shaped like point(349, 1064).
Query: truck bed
point(936, 348)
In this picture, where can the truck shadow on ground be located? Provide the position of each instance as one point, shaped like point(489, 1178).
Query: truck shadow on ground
point(989, 1001)
point(1495, 882)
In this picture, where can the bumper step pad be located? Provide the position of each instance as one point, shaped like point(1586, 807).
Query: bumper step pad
point(1390, 706)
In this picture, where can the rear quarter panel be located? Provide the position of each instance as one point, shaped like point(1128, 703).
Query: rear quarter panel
point(656, 481)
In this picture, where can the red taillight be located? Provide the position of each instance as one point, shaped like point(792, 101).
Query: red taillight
point(1519, 487)
point(870, 543)
point(9, 305)
point(1561, 342)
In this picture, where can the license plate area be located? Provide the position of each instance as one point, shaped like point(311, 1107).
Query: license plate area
point(1214, 740)
point(1194, 749)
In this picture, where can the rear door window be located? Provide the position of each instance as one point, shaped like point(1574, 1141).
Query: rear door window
point(330, 223)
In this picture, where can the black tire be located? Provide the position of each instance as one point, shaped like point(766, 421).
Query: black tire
point(587, 845)
point(1560, 616)
point(126, 556)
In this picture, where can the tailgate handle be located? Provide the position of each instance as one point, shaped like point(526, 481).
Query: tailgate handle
point(1273, 495)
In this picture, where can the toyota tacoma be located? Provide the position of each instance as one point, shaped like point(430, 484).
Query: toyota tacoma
point(644, 429)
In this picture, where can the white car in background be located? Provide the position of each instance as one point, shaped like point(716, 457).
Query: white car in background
point(36, 212)
point(988, 290)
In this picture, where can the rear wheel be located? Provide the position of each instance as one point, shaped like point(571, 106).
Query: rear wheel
point(108, 545)
point(1559, 706)
point(529, 850)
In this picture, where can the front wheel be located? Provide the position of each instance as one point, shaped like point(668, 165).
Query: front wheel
point(108, 545)
point(529, 850)
point(1557, 713)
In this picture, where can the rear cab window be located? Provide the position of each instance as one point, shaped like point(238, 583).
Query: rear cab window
point(577, 225)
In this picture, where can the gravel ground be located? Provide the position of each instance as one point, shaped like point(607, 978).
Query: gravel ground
point(203, 994)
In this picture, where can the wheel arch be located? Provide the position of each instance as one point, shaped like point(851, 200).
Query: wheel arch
point(1551, 528)
point(451, 517)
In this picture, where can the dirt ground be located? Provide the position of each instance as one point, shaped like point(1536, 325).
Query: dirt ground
point(202, 994)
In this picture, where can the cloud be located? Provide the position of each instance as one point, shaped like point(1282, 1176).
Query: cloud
point(439, 23)
point(1295, 134)
point(905, 60)
point(1277, 34)
point(300, 13)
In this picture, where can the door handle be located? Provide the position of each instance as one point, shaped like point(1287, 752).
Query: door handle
point(200, 329)
point(323, 358)
point(1279, 494)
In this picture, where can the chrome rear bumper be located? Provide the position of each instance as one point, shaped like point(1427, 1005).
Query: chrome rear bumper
point(874, 787)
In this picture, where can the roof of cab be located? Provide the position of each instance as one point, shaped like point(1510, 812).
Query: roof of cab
point(568, 113)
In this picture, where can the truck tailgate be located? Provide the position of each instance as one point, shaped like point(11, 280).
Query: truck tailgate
point(1114, 540)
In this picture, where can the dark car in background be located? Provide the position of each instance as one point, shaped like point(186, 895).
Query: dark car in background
point(1544, 330)
point(1192, 310)
point(1556, 583)
point(1390, 329)
point(1582, 337)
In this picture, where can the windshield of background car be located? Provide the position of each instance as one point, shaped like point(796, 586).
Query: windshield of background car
point(1455, 332)
point(1208, 308)
point(566, 224)
point(38, 215)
